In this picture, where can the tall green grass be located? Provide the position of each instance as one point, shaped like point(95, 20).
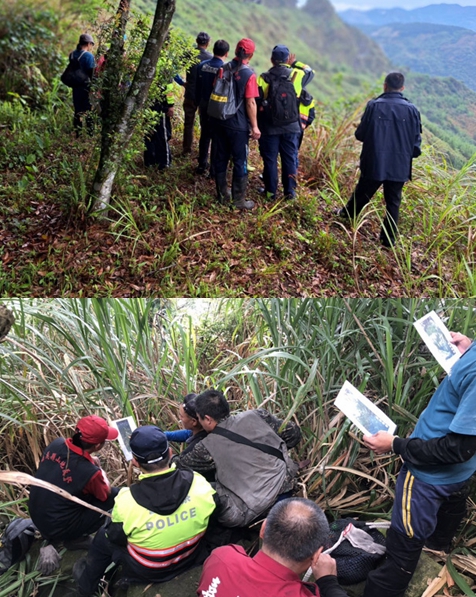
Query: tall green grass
point(115, 357)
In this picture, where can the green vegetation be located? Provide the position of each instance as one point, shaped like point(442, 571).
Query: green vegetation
point(167, 236)
point(65, 358)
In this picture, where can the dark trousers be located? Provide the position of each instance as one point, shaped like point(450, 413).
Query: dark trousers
point(422, 514)
point(230, 144)
point(82, 109)
point(157, 149)
point(206, 137)
point(82, 522)
point(189, 111)
point(392, 192)
point(103, 552)
point(286, 145)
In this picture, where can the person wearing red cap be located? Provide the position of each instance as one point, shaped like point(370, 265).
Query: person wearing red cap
point(232, 134)
point(69, 464)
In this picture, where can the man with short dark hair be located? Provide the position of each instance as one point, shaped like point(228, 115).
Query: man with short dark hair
point(70, 465)
point(390, 131)
point(231, 135)
point(206, 74)
point(189, 104)
point(293, 537)
point(249, 454)
point(157, 524)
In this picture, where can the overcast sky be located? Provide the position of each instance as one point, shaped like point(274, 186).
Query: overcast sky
point(408, 4)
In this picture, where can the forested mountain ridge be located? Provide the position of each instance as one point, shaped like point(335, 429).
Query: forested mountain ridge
point(441, 50)
point(443, 14)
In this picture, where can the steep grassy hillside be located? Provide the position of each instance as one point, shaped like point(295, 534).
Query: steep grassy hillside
point(443, 14)
point(448, 108)
point(315, 34)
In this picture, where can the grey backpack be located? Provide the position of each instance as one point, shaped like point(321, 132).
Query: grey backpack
point(223, 102)
point(15, 542)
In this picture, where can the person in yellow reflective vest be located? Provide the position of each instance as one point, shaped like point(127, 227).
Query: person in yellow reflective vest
point(280, 118)
point(158, 524)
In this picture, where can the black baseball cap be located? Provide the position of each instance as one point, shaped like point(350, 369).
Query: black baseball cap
point(149, 444)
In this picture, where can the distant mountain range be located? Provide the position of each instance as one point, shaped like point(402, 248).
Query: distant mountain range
point(427, 48)
point(442, 14)
point(439, 39)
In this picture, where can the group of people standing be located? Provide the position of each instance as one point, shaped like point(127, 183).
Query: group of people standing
point(275, 109)
point(257, 116)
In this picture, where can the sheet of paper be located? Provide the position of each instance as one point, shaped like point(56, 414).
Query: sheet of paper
point(437, 337)
point(125, 427)
point(362, 412)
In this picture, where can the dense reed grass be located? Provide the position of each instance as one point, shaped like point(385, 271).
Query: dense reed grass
point(116, 357)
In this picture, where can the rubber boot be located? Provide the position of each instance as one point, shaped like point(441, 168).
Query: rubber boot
point(238, 193)
point(223, 193)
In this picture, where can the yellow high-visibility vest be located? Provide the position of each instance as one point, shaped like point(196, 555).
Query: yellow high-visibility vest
point(157, 541)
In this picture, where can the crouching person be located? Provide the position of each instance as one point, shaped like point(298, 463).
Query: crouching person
point(293, 537)
point(70, 465)
point(157, 524)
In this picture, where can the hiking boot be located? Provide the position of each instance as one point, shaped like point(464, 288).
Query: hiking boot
point(223, 192)
point(238, 192)
point(77, 572)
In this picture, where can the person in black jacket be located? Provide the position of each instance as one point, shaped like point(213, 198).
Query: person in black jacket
point(70, 465)
point(189, 105)
point(206, 75)
point(390, 131)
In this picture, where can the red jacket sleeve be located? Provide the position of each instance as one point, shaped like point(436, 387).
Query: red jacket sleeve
point(98, 487)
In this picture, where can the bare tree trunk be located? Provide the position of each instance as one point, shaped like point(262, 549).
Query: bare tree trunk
point(119, 125)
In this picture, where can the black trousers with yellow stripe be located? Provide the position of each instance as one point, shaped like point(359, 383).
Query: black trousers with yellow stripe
point(423, 514)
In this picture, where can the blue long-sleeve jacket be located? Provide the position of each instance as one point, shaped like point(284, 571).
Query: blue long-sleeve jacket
point(391, 133)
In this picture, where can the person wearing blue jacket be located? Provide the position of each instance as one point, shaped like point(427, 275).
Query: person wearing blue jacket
point(390, 131)
point(433, 485)
point(82, 105)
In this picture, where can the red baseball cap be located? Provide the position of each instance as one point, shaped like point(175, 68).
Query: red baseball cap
point(247, 45)
point(95, 430)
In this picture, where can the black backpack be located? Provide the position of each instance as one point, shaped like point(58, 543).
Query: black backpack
point(223, 102)
point(353, 564)
point(73, 75)
point(282, 102)
point(15, 542)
